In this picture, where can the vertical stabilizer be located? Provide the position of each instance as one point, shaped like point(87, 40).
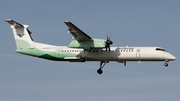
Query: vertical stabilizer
point(22, 35)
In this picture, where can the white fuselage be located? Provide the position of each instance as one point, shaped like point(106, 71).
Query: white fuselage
point(124, 54)
point(118, 54)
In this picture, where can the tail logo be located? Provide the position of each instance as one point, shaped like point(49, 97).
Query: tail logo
point(20, 35)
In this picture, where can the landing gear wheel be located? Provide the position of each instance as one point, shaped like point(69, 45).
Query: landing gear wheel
point(82, 59)
point(99, 71)
point(166, 64)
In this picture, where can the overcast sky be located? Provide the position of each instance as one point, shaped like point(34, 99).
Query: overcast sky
point(130, 22)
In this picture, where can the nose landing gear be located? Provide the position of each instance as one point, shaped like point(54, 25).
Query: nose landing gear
point(166, 63)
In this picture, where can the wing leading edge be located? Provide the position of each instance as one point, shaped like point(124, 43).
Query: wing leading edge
point(79, 35)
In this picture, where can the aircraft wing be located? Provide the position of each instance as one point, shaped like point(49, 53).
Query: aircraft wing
point(79, 35)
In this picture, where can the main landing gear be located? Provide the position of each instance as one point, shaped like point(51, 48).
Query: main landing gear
point(82, 59)
point(102, 64)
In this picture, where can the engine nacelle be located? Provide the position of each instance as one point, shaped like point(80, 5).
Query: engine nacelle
point(95, 43)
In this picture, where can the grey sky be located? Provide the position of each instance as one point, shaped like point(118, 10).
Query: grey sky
point(130, 22)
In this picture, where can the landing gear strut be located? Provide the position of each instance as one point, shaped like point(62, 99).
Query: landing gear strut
point(82, 59)
point(102, 64)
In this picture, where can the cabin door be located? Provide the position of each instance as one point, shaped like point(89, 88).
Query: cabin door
point(138, 53)
point(58, 53)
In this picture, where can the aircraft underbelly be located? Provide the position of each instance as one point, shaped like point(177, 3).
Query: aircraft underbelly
point(103, 57)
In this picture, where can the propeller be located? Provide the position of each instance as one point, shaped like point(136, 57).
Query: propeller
point(108, 43)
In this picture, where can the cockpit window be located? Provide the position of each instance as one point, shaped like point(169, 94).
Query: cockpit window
point(160, 49)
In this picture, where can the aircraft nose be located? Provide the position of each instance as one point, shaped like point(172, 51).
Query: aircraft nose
point(171, 57)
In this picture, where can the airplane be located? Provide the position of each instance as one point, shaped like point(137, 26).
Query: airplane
point(84, 48)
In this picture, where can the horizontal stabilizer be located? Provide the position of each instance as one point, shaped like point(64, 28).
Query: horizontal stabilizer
point(17, 25)
point(14, 23)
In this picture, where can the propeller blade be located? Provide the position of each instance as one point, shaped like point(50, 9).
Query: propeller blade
point(109, 49)
point(109, 36)
point(106, 47)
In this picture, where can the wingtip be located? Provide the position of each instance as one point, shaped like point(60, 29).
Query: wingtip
point(8, 20)
point(67, 21)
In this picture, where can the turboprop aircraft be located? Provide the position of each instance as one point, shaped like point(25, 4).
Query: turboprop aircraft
point(84, 48)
